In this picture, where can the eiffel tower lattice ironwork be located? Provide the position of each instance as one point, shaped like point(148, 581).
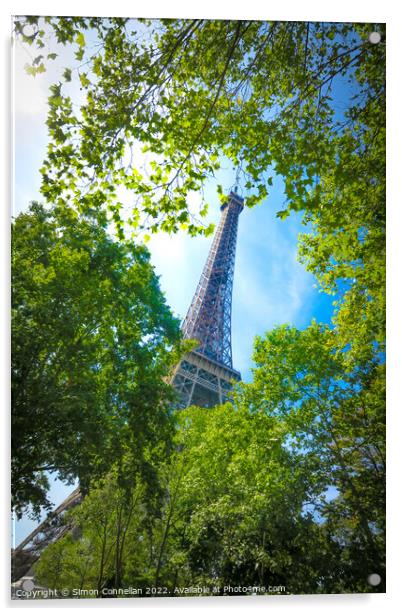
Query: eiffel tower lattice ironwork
point(204, 377)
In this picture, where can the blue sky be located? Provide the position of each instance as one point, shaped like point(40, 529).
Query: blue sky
point(270, 286)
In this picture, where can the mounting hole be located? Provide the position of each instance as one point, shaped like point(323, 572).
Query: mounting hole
point(374, 37)
point(374, 579)
point(28, 585)
point(28, 30)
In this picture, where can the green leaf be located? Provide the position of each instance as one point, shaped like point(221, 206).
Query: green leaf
point(80, 39)
point(67, 74)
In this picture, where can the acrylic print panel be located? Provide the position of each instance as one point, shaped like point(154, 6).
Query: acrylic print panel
point(234, 172)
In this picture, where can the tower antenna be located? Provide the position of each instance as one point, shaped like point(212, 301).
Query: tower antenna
point(237, 182)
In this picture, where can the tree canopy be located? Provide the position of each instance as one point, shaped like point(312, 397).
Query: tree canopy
point(92, 340)
point(191, 90)
point(246, 488)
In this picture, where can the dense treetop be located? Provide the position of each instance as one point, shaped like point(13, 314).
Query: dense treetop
point(92, 340)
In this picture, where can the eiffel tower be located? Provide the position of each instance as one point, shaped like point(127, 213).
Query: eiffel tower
point(204, 377)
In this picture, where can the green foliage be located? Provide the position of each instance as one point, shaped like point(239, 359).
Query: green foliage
point(245, 487)
point(105, 527)
point(334, 416)
point(191, 91)
point(92, 340)
point(346, 210)
point(235, 510)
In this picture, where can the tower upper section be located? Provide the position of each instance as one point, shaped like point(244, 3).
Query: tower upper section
point(209, 317)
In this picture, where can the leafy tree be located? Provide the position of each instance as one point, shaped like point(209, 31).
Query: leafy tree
point(98, 550)
point(346, 250)
point(335, 419)
point(92, 340)
point(231, 514)
point(238, 515)
point(244, 497)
